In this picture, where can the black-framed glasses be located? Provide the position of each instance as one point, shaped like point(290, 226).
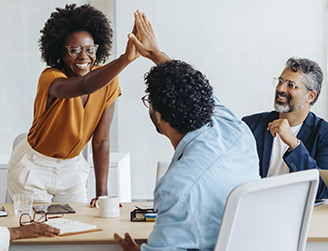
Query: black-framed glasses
point(38, 218)
point(75, 50)
point(290, 86)
point(146, 101)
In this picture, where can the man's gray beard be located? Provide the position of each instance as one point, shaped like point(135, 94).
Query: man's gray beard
point(289, 106)
point(282, 108)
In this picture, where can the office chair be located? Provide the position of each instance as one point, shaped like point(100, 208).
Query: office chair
point(162, 167)
point(269, 214)
point(18, 139)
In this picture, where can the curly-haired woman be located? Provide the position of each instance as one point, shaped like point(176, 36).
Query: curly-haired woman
point(75, 102)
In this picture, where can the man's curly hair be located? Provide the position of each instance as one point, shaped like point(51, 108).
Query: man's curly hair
point(181, 94)
point(71, 19)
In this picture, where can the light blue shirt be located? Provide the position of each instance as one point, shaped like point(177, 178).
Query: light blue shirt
point(207, 164)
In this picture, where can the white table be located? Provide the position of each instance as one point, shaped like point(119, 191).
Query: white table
point(318, 232)
point(95, 241)
point(101, 241)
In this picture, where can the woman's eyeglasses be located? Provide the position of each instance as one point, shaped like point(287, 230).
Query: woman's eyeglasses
point(75, 50)
point(38, 218)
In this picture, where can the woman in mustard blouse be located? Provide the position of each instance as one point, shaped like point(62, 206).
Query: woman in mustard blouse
point(75, 102)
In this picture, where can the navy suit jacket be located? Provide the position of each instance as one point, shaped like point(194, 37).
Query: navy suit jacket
point(312, 152)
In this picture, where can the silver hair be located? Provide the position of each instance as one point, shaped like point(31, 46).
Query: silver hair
point(311, 71)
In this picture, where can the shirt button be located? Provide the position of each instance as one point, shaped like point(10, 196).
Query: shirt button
point(58, 161)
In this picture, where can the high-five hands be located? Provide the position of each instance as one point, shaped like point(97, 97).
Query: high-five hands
point(131, 51)
point(282, 127)
point(143, 38)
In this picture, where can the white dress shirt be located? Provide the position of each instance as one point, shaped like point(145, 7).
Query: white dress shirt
point(4, 238)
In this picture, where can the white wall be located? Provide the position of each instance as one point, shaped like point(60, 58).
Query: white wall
point(20, 64)
point(239, 44)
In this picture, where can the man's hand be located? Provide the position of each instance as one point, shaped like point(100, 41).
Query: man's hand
point(127, 244)
point(32, 231)
point(144, 39)
point(282, 127)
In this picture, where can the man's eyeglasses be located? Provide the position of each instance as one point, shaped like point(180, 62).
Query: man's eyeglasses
point(290, 86)
point(38, 217)
point(75, 50)
point(146, 101)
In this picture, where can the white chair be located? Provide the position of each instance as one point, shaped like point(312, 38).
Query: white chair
point(269, 214)
point(18, 139)
point(162, 167)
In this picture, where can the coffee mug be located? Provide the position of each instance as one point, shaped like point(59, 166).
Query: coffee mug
point(108, 206)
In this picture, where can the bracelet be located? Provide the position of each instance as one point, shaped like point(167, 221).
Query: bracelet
point(298, 142)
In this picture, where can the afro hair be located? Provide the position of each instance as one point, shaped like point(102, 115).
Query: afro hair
point(71, 19)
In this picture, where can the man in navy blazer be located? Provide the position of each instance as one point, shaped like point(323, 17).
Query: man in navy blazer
point(292, 138)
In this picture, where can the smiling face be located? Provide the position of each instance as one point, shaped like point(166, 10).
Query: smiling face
point(81, 64)
point(289, 101)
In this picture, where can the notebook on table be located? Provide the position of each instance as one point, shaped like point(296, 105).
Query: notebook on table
point(69, 227)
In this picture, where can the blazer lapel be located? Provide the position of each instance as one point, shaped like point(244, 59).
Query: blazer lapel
point(303, 135)
point(305, 131)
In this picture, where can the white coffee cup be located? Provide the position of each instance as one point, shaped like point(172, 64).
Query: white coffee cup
point(108, 206)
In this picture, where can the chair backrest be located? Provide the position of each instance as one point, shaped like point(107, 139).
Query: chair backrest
point(269, 214)
point(162, 167)
point(18, 139)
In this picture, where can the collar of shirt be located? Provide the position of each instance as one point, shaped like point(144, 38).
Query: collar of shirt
point(186, 140)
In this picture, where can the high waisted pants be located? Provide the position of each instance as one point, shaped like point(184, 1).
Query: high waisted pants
point(48, 179)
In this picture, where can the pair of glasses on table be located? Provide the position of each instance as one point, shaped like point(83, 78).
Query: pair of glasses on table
point(38, 218)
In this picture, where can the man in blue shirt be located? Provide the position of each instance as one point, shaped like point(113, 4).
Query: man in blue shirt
point(214, 151)
point(292, 138)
